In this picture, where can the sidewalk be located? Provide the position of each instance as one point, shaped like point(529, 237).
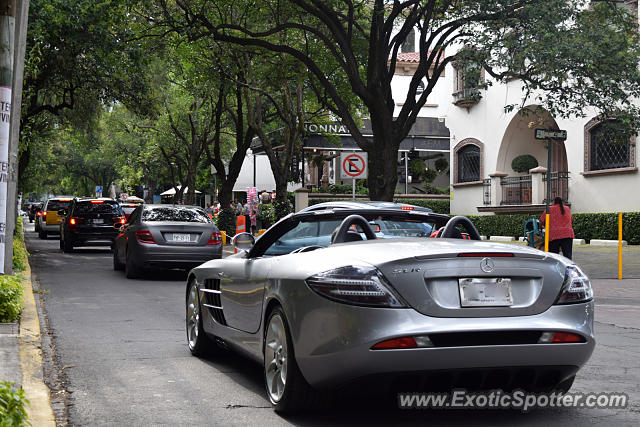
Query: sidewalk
point(21, 358)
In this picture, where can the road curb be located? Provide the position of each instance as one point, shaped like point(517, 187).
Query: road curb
point(30, 343)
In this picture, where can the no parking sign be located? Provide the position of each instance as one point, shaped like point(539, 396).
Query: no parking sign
point(353, 165)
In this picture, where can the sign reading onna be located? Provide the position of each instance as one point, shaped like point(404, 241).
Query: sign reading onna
point(329, 128)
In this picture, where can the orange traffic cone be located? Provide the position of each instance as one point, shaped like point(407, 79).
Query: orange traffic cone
point(241, 226)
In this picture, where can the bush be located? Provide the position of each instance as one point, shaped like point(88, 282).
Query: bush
point(227, 222)
point(10, 298)
point(281, 209)
point(19, 250)
point(523, 163)
point(265, 214)
point(12, 405)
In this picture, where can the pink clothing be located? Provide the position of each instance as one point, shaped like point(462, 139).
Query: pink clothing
point(560, 227)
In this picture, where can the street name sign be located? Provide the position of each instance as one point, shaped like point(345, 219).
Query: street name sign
point(554, 134)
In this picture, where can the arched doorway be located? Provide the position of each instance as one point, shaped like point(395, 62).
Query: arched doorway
point(519, 139)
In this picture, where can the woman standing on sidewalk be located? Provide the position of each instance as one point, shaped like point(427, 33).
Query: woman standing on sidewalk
point(560, 230)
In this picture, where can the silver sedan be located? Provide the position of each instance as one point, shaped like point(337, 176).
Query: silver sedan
point(345, 295)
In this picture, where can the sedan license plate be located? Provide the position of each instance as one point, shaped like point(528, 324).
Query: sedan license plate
point(485, 292)
point(97, 221)
point(181, 238)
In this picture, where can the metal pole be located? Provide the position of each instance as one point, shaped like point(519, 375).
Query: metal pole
point(406, 172)
point(547, 223)
point(353, 189)
point(254, 170)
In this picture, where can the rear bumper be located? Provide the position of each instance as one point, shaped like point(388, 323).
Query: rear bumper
point(50, 228)
point(97, 238)
point(168, 257)
point(331, 352)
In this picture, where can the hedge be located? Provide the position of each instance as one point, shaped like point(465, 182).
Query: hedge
point(437, 205)
point(12, 405)
point(585, 225)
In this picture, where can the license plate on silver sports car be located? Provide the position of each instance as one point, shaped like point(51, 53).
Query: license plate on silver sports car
point(179, 237)
point(485, 292)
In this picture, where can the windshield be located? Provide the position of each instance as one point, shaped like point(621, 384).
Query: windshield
point(175, 214)
point(56, 205)
point(318, 233)
point(84, 208)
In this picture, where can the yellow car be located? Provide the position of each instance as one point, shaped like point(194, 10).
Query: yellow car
point(50, 220)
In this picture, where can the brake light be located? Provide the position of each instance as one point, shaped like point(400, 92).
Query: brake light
point(486, 254)
point(119, 220)
point(97, 201)
point(39, 213)
point(44, 214)
point(402, 342)
point(560, 337)
point(215, 238)
point(72, 221)
point(145, 236)
point(407, 208)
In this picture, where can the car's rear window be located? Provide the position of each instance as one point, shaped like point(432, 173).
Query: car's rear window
point(56, 205)
point(175, 214)
point(106, 207)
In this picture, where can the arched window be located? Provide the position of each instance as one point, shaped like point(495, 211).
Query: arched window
point(608, 146)
point(468, 162)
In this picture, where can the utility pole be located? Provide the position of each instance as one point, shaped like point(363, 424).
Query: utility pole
point(13, 36)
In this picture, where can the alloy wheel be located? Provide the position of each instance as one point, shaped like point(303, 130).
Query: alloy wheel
point(276, 358)
point(193, 317)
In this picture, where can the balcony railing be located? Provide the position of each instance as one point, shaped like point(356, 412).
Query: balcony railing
point(559, 186)
point(516, 190)
point(467, 98)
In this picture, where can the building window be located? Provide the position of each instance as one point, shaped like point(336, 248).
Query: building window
point(468, 162)
point(409, 44)
point(608, 146)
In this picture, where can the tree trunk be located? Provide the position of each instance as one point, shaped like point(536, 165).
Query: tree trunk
point(383, 159)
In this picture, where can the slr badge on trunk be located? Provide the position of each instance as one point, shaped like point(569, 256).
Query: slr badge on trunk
point(487, 265)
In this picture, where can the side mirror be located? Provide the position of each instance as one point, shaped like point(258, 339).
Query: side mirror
point(243, 241)
point(62, 212)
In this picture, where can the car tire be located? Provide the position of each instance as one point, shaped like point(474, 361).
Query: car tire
point(67, 246)
point(131, 271)
point(197, 339)
point(61, 245)
point(117, 265)
point(42, 234)
point(286, 388)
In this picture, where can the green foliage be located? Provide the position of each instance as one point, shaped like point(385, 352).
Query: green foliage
point(227, 222)
point(19, 250)
point(281, 209)
point(265, 214)
point(12, 405)
point(361, 188)
point(501, 225)
point(10, 298)
point(523, 163)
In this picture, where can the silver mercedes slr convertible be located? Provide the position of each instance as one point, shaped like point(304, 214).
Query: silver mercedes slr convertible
point(346, 293)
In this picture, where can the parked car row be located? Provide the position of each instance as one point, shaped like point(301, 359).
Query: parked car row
point(142, 237)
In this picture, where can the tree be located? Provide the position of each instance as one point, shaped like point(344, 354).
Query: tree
point(568, 56)
point(80, 56)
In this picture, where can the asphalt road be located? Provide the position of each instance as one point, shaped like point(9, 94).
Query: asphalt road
point(121, 346)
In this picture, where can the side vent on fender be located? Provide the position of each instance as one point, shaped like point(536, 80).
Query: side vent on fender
point(212, 300)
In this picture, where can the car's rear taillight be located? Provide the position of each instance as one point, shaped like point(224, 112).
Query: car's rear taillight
point(44, 214)
point(215, 238)
point(145, 236)
point(97, 201)
point(354, 284)
point(560, 337)
point(119, 220)
point(74, 221)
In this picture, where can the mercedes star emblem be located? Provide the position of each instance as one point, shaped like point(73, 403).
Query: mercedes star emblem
point(487, 265)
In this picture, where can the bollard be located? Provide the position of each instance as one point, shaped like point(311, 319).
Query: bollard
point(224, 237)
point(261, 231)
point(547, 229)
point(620, 246)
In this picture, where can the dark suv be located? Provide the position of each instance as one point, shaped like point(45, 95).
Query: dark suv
point(33, 211)
point(90, 222)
